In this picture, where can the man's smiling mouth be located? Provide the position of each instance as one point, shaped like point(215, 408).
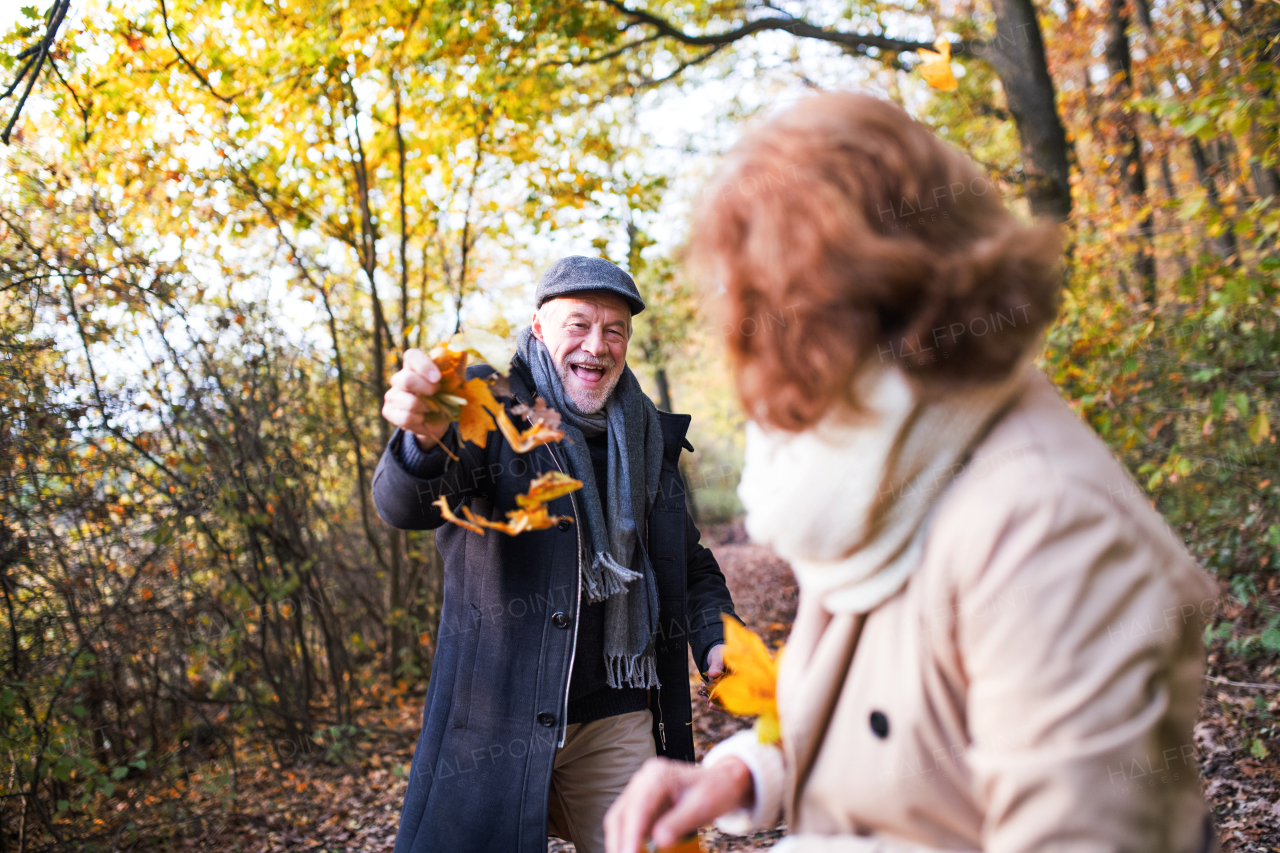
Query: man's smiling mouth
point(586, 373)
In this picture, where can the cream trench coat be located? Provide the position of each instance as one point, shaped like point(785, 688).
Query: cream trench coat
point(1031, 688)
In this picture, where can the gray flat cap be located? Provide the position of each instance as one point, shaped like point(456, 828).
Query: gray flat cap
point(580, 274)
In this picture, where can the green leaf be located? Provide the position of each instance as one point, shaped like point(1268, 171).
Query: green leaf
point(79, 711)
point(1242, 404)
point(1191, 209)
point(1219, 403)
point(1258, 749)
point(119, 773)
point(1194, 125)
point(1271, 639)
point(63, 805)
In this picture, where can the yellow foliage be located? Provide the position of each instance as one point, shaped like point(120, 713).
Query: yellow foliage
point(750, 687)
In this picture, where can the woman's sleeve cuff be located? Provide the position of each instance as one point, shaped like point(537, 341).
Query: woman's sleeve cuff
point(767, 777)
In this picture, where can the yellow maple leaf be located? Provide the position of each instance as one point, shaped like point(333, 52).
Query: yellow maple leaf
point(750, 687)
point(936, 67)
point(532, 515)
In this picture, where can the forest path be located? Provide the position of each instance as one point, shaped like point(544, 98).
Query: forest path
point(355, 809)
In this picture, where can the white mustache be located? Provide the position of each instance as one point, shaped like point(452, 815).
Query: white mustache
point(605, 364)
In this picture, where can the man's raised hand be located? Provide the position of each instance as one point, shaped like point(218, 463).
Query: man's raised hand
point(403, 404)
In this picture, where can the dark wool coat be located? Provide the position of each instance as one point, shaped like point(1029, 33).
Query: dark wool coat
point(496, 700)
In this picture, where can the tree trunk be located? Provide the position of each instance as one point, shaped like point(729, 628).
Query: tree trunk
point(664, 389)
point(1020, 62)
point(1225, 243)
point(1133, 181)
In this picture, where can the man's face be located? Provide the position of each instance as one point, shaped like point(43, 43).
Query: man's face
point(587, 337)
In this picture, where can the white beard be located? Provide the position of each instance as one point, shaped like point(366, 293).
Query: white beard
point(587, 402)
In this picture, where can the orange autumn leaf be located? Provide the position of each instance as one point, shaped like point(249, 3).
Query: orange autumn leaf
point(750, 687)
point(936, 67)
point(544, 426)
point(442, 503)
point(534, 436)
point(688, 844)
point(475, 421)
point(448, 401)
point(547, 488)
point(471, 402)
point(532, 515)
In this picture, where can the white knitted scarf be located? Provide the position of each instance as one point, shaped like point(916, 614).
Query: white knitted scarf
point(847, 502)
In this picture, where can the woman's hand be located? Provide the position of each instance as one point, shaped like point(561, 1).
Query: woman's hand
point(667, 800)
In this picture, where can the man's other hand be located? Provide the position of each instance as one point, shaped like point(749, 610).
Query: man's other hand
point(403, 406)
point(667, 799)
point(715, 662)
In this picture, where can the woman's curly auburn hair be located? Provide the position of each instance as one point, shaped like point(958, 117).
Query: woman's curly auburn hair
point(843, 233)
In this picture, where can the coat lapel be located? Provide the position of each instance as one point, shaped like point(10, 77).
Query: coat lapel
point(811, 676)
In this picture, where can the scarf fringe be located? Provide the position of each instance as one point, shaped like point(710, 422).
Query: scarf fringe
point(607, 578)
point(632, 671)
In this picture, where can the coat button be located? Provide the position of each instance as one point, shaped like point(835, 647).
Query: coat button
point(559, 620)
point(564, 524)
point(880, 724)
point(546, 720)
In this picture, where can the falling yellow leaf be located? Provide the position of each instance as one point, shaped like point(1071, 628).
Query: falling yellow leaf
point(532, 514)
point(750, 687)
point(936, 67)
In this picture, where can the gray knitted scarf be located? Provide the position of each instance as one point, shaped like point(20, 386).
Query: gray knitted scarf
point(612, 558)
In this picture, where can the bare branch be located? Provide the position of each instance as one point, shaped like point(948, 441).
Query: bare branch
point(164, 16)
point(697, 60)
point(604, 57)
point(56, 14)
point(795, 26)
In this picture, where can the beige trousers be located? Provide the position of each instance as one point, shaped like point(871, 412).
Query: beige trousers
point(591, 769)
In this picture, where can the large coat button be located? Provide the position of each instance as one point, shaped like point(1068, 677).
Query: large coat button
point(546, 720)
point(880, 724)
point(559, 620)
point(564, 524)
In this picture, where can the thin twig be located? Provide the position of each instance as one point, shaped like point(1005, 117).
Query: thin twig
point(164, 16)
point(1216, 680)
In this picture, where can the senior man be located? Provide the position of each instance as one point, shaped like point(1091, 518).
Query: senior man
point(560, 665)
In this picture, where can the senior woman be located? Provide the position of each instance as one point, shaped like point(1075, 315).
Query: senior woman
point(997, 646)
